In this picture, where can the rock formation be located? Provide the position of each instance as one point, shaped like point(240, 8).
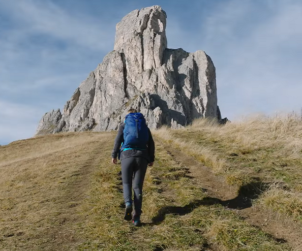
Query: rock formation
point(168, 86)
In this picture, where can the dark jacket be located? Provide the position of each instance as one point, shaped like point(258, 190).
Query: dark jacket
point(147, 154)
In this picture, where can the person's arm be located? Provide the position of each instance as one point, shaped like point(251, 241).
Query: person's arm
point(117, 143)
point(151, 149)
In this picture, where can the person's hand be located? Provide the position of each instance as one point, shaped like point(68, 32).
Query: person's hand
point(114, 160)
point(150, 164)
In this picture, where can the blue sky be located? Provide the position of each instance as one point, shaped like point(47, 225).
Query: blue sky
point(48, 47)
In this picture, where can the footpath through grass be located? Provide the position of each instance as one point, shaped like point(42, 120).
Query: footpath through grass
point(177, 214)
point(267, 150)
point(61, 192)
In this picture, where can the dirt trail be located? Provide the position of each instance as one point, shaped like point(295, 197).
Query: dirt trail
point(63, 237)
point(241, 200)
point(212, 184)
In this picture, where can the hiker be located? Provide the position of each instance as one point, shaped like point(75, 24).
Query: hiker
point(135, 144)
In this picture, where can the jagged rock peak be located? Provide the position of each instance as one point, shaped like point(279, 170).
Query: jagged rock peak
point(138, 22)
point(168, 86)
point(142, 33)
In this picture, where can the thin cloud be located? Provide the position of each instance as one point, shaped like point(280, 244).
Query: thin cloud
point(41, 84)
point(17, 110)
point(36, 17)
point(18, 121)
point(255, 71)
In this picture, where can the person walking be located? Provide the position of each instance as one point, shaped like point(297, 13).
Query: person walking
point(136, 147)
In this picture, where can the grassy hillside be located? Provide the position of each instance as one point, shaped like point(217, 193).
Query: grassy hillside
point(232, 187)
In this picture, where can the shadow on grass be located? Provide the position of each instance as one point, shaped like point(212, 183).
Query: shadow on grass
point(246, 194)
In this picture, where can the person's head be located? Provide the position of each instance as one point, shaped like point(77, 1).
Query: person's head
point(132, 110)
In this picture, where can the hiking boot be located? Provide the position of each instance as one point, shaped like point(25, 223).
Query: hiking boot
point(128, 211)
point(136, 221)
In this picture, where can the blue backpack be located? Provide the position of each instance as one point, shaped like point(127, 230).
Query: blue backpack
point(136, 133)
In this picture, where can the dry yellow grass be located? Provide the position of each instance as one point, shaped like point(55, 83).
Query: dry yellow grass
point(204, 154)
point(61, 192)
point(280, 131)
point(262, 147)
point(284, 202)
point(42, 182)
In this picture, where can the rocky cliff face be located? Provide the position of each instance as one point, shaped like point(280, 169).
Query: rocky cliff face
point(168, 86)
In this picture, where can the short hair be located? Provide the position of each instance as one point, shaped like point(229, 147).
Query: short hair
point(132, 110)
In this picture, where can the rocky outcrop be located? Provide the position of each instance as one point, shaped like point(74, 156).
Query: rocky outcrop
point(50, 122)
point(168, 86)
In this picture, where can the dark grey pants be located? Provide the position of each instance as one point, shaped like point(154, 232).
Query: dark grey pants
point(133, 175)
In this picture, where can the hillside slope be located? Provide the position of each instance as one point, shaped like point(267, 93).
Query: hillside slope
point(42, 183)
point(206, 191)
